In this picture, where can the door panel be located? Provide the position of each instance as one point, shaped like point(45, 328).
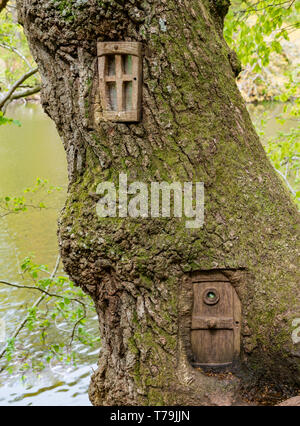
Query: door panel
point(215, 331)
point(213, 346)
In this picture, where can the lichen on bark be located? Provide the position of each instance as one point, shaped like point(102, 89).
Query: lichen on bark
point(195, 127)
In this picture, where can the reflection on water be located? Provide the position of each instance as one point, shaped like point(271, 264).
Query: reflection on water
point(270, 111)
point(31, 151)
point(68, 387)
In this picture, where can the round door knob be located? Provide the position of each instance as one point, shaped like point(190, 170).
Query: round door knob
point(211, 323)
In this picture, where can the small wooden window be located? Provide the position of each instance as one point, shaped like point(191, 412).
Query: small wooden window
point(120, 78)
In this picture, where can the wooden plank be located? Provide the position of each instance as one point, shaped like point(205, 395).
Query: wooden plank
point(237, 317)
point(202, 323)
point(102, 84)
point(127, 77)
point(137, 74)
point(219, 342)
point(122, 116)
point(109, 78)
point(119, 47)
point(208, 276)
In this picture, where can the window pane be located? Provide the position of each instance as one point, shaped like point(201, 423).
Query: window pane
point(111, 65)
point(127, 64)
point(128, 95)
point(112, 96)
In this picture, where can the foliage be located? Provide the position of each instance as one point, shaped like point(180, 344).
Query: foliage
point(16, 62)
point(5, 120)
point(14, 50)
point(21, 203)
point(257, 31)
point(57, 322)
point(58, 317)
point(283, 150)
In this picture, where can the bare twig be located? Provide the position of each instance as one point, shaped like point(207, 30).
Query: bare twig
point(14, 87)
point(27, 92)
point(16, 51)
point(293, 1)
point(76, 325)
point(253, 7)
point(287, 182)
point(58, 296)
point(24, 206)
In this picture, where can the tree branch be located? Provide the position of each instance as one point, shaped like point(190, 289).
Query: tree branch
point(20, 95)
point(27, 92)
point(252, 8)
point(14, 87)
point(293, 1)
point(287, 182)
point(25, 319)
point(13, 49)
point(45, 292)
point(3, 4)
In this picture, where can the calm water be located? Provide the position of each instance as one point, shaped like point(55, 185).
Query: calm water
point(31, 151)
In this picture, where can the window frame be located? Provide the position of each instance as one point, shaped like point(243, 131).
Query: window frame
point(120, 50)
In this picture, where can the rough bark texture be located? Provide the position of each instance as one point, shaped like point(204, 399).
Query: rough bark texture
point(195, 127)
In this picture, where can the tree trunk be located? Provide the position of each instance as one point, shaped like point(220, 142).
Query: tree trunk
point(139, 272)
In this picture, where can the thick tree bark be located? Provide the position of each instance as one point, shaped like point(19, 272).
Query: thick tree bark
point(195, 127)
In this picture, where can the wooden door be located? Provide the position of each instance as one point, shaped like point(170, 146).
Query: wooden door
point(216, 323)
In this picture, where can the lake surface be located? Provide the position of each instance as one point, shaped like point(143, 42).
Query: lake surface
point(31, 151)
point(26, 153)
